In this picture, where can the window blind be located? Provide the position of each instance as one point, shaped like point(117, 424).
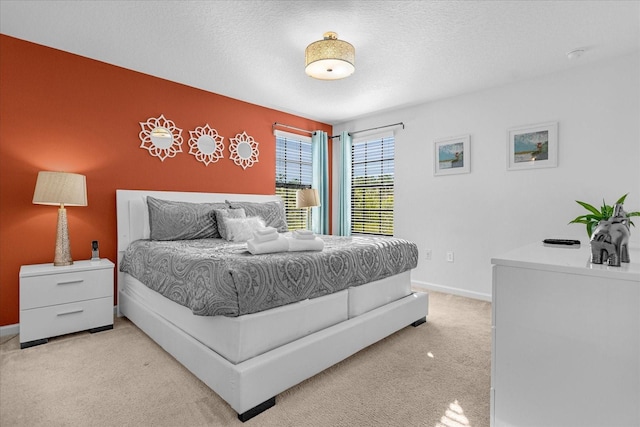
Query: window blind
point(372, 185)
point(293, 172)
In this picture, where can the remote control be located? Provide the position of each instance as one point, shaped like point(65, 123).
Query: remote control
point(562, 242)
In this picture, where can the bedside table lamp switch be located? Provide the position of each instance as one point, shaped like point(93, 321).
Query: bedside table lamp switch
point(61, 188)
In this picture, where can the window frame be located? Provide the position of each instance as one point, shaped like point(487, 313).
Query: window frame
point(383, 225)
point(296, 218)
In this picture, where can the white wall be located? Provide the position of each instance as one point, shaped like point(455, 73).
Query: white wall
point(491, 210)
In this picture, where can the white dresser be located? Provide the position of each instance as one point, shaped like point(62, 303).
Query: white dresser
point(60, 300)
point(566, 339)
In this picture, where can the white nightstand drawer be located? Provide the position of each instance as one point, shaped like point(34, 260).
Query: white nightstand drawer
point(53, 289)
point(62, 319)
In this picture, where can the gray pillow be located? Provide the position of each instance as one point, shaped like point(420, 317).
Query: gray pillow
point(172, 220)
point(221, 214)
point(272, 213)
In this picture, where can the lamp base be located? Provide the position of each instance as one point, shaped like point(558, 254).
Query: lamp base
point(63, 249)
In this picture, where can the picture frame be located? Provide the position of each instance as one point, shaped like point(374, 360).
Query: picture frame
point(452, 155)
point(533, 146)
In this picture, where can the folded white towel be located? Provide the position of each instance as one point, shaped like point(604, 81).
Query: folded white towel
point(266, 230)
point(280, 244)
point(303, 231)
point(303, 234)
point(296, 245)
point(265, 237)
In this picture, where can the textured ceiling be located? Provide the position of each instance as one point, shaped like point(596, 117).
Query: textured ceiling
point(407, 52)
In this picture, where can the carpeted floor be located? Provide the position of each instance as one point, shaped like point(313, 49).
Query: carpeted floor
point(435, 375)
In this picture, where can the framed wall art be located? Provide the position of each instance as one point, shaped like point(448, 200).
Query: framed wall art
point(452, 155)
point(533, 146)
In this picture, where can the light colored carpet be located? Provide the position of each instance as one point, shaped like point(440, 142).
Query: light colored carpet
point(435, 375)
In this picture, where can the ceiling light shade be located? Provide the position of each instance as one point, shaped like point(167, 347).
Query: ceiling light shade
point(330, 58)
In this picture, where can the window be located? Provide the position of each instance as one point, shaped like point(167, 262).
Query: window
point(293, 172)
point(372, 185)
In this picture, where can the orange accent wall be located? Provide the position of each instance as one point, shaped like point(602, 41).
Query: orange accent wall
point(64, 112)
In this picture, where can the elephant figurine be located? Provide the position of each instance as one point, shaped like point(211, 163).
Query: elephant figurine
point(610, 239)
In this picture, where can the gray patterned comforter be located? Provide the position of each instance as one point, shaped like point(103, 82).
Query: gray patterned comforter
point(215, 277)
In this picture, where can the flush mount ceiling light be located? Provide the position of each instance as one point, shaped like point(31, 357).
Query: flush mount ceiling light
point(330, 58)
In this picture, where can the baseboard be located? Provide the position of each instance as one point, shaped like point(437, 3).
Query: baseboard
point(419, 285)
point(5, 331)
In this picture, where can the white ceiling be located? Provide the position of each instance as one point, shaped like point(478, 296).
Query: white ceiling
point(407, 52)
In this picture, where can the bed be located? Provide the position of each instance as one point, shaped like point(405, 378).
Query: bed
point(249, 353)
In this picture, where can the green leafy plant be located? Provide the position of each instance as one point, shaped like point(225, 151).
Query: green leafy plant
point(595, 216)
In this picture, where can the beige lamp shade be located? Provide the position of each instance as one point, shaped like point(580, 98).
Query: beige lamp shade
point(330, 58)
point(60, 188)
point(307, 198)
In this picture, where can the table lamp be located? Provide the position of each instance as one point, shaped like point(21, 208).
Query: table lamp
point(61, 188)
point(307, 198)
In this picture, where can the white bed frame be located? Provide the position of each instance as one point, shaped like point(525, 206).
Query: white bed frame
point(250, 387)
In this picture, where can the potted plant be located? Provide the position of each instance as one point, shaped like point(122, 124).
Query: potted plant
point(595, 216)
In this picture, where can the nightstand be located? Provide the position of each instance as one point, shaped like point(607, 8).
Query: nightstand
point(61, 300)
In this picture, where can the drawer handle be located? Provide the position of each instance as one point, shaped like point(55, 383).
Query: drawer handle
point(79, 310)
point(70, 282)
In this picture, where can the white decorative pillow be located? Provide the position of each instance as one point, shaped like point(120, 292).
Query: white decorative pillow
point(273, 213)
point(222, 214)
point(242, 229)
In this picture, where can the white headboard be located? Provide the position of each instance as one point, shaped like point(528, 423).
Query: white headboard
point(133, 216)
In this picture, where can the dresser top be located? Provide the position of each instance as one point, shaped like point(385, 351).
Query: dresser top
point(568, 259)
point(82, 265)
